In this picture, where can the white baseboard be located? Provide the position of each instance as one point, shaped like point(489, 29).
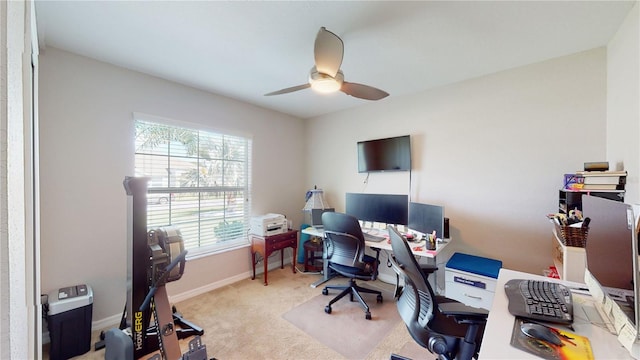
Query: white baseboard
point(106, 323)
point(114, 320)
point(209, 287)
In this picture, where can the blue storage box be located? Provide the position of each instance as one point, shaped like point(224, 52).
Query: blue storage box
point(475, 265)
point(471, 279)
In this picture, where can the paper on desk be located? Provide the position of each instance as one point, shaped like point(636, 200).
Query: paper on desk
point(627, 333)
point(607, 306)
point(423, 248)
point(627, 336)
point(594, 311)
point(594, 287)
point(620, 318)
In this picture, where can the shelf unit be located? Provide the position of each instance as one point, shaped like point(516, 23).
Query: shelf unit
point(570, 261)
point(572, 199)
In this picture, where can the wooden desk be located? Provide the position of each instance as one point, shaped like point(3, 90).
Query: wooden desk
point(497, 334)
point(266, 245)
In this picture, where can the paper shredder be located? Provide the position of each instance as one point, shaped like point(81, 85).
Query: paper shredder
point(69, 321)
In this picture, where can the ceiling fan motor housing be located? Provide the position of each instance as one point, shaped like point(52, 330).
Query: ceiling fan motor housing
point(325, 83)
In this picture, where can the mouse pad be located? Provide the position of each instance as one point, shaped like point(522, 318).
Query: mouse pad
point(573, 346)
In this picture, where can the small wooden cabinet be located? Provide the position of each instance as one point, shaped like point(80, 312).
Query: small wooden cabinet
point(266, 245)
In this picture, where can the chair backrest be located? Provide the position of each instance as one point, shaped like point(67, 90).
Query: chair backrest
point(452, 333)
point(417, 301)
point(343, 240)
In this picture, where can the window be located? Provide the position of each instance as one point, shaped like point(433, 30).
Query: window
point(199, 182)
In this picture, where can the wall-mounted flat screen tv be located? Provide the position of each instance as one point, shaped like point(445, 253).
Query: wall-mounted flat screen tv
point(389, 154)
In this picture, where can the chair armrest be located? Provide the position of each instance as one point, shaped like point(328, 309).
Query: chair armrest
point(428, 269)
point(377, 253)
point(463, 312)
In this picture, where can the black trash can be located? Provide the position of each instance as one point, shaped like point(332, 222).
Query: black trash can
point(69, 321)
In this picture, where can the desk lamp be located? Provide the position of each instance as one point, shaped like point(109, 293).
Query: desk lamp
point(315, 200)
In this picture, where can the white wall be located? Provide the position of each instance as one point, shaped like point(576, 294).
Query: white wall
point(492, 150)
point(623, 107)
point(87, 150)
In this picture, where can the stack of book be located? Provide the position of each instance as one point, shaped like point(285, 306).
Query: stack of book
point(602, 180)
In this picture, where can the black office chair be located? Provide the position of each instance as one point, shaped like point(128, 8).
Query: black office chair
point(345, 255)
point(445, 327)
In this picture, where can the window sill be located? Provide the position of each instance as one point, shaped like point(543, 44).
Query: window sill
point(202, 253)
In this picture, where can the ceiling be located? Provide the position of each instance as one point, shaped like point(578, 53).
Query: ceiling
point(245, 49)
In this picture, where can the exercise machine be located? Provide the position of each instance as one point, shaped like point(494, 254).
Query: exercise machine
point(154, 257)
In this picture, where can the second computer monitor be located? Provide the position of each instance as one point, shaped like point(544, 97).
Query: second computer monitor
point(612, 258)
point(382, 208)
point(609, 243)
point(426, 218)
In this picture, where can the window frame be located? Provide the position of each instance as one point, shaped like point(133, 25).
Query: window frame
point(218, 247)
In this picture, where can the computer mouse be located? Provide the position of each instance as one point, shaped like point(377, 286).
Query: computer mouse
point(541, 332)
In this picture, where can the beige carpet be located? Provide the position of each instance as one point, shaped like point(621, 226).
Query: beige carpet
point(245, 320)
point(346, 330)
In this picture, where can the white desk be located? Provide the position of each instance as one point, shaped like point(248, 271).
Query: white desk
point(497, 334)
point(382, 245)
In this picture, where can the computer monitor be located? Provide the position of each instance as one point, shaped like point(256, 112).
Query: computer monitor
point(382, 208)
point(316, 216)
point(425, 218)
point(612, 263)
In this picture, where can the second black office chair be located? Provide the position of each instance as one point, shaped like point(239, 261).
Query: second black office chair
point(445, 327)
point(345, 255)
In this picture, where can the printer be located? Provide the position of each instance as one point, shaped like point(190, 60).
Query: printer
point(268, 224)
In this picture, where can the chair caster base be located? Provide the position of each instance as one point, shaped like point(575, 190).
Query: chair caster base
point(327, 309)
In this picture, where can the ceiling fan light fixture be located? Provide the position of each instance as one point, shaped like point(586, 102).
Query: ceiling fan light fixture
point(325, 86)
point(324, 83)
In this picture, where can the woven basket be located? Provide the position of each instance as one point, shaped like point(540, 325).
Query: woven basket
point(572, 236)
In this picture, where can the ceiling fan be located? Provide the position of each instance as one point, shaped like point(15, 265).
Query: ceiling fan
point(326, 76)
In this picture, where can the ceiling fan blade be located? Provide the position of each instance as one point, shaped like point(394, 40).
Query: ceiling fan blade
point(328, 52)
point(363, 91)
point(288, 90)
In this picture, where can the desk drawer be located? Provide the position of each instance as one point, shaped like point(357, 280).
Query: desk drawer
point(281, 244)
point(469, 289)
point(469, 295)
point(281, 241)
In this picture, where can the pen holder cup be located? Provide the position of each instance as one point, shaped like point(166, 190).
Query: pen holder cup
point(572, 236)
point(431, 242)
